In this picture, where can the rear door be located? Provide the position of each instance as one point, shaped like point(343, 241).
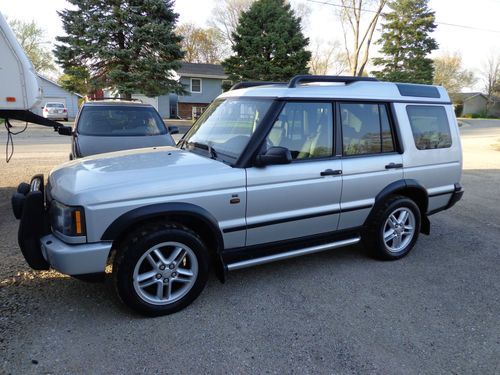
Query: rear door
point(370, 158)
point(302, 198)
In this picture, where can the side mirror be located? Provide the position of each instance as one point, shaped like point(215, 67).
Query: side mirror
point(172, 129)
point(65, 130)
point(274, 156)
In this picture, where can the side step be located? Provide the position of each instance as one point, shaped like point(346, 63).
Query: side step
point(291, 254)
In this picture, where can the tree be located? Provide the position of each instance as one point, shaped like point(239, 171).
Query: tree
point(358, 44)
point(491, 79)
point(129, 45)
point(226, 15)
point(201, 45)
point(31, 38)
point(328, 58)
point(406, 43)
point(491, 76)
point(269, 44)
point(77, 79)
point(449, 72)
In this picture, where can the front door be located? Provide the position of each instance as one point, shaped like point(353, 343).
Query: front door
point(301, 198)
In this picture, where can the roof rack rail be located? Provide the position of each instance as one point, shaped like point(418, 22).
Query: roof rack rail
point(314, 78)
point(244, 85)
point(114, 98)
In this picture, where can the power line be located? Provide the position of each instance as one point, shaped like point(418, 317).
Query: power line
point(373, 11)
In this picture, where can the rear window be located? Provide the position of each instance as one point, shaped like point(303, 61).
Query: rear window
point(430, 126)
point(120, 121)
point(54, 105)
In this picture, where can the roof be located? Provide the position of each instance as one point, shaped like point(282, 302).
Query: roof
point(360, 90)
point(112, 102)
point(58, 85)
point(464, 95)
point(202, 70)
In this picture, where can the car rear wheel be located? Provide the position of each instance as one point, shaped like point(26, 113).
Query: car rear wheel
point(394, 230)
point(161, 269)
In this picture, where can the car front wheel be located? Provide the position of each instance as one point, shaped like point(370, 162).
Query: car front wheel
point(161, 269)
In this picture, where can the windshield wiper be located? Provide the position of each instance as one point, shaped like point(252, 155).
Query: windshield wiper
point(203, 146)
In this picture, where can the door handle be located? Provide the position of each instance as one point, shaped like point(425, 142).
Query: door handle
point(393, 165)
point(331, 172)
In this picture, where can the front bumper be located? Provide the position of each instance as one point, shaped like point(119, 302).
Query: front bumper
point(75, 259)
point(41, 248)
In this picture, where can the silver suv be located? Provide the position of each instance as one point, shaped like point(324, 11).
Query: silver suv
point(268, 172)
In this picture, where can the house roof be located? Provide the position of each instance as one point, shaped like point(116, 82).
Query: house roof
point(202, 70)
point(460, 97)
point(58, 85)
point(484, 96)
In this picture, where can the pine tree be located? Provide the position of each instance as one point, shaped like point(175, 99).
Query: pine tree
point(129, 45)
point(406, 43)
point(269, 44)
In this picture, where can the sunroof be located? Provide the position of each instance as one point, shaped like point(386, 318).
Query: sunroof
point(421, 91)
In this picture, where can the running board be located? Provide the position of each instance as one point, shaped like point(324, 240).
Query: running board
point(291, 254)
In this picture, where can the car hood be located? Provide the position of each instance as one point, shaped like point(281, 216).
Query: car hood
point(138, 174)
point(92, 145)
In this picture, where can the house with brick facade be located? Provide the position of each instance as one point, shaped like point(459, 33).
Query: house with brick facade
point(202, 83)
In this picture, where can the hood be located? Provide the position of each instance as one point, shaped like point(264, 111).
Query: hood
point(139, 174)
point(92, 145)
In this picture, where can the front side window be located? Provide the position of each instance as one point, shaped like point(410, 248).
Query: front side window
point(195, 85)
point(306, 129)
point(112, 120)
point(226, 126)
point(365, 129)
point(430, 127)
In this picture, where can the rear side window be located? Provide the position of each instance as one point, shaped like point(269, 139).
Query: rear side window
point(430, 126)
point(365, 129)
point(120, 121)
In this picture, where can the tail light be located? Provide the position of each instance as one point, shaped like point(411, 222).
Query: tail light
point(64, 110)
point(45, 110)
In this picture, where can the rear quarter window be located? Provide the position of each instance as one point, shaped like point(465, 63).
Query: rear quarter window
point(430, 126)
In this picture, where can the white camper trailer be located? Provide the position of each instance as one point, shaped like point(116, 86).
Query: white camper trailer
point(19, 88)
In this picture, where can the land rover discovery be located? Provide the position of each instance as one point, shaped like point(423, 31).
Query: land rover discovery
point(268, 172)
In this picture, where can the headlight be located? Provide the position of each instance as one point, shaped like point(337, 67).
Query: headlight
point(69, 221)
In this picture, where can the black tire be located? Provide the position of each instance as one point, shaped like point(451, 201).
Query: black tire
point(136, 245)
point(66, 119)
point(373, 238)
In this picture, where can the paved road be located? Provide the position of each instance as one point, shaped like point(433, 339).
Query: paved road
point(433, 312)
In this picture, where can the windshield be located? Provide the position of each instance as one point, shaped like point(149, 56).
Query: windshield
point(54, 105)
point(120, 121)
point(226, 126)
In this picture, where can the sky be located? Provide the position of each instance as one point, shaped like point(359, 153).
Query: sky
point(476, 40)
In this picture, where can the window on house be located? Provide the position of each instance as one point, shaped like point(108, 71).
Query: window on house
point(429, 125)
point(365, 129)
point(195, 85)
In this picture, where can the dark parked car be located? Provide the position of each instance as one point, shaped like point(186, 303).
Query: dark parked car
point(112, 125)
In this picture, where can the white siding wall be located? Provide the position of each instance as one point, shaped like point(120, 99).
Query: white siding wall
point(55, 93)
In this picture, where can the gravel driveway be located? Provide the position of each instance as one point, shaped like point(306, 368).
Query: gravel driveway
point(434, 312)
